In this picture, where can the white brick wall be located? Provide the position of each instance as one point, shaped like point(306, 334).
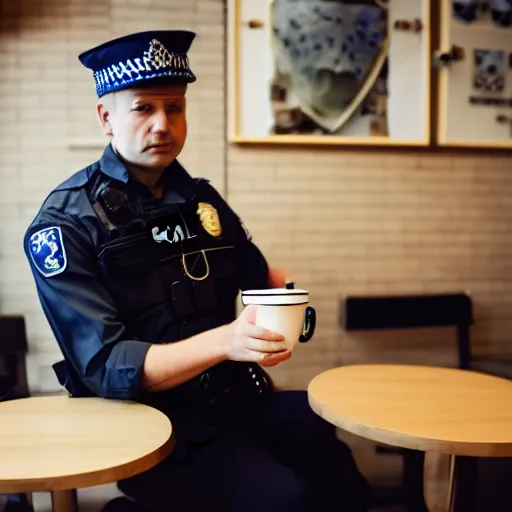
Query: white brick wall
point(348, 222)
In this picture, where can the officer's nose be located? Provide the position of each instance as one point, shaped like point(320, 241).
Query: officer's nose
point(160, 122)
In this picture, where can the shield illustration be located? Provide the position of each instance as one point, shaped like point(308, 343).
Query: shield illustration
point(329, 55)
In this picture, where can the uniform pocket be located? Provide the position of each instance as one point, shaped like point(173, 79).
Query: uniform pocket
point(222, 264)
point(130, 269)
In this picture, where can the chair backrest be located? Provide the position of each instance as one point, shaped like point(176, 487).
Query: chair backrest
point(13, 337)
point(13, 347)
point(412, 311)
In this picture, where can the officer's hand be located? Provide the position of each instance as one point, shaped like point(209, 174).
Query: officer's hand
point(278, 277)
point(248, 342)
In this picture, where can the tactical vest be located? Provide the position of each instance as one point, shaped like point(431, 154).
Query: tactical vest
point(173, 273)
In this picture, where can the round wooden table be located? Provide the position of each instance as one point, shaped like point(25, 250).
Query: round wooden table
point(460, 413)
point(59, 444)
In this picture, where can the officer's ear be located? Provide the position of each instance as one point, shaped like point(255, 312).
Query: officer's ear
point(104, 110)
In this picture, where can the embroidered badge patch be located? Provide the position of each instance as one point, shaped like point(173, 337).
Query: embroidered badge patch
point(47, 251)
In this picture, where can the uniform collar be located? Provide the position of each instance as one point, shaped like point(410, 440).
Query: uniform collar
point(113, 166)
point(177, 180)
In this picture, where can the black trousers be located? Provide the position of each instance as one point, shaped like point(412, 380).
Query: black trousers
point(278, 456)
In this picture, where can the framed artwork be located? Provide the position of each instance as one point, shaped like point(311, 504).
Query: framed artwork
point(475, 74)
point(354, 72)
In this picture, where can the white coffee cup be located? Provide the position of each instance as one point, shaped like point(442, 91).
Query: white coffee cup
point(285, 311)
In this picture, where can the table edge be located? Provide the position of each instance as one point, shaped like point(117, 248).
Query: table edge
point(402, 440)
point(92, 478)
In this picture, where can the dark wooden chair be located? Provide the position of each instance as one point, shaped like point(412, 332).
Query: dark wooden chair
point(13, 381)
point(13, 349)
point(413, 311)
point(416, 311)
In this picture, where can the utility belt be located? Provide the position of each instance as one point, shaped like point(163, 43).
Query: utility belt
point(222, 385)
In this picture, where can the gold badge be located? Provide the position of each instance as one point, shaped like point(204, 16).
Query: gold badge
point(209, 219)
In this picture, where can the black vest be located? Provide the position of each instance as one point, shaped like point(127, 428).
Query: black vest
point(172, 275)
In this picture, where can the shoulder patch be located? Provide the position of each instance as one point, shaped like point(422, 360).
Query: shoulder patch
point(47, 251)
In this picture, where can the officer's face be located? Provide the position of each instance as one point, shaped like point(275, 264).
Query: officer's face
point(148, 126)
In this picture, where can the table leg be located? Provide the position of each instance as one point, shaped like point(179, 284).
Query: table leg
point(450, 483)
point(64, 501)
point(437, 481)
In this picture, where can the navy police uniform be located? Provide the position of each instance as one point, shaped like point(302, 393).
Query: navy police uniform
point(117, 270)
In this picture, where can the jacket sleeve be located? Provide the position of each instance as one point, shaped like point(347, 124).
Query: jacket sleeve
point(253, 267)
point(80, 311)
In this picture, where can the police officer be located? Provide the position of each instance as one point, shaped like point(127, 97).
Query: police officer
point(138, 266)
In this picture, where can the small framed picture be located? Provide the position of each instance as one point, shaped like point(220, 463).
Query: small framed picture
point(475, 90)
point(489, 70)
point(329, 72)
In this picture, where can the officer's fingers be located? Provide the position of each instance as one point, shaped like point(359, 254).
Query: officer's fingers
point(278, 277)
point(273, 359)
point(260, 333)
point(258, 345)
point(249, 314)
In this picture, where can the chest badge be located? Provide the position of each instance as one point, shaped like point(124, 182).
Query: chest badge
point(209, 218)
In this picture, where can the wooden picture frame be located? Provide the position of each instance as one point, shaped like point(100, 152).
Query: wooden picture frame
point(252, 112)
point(470, 42)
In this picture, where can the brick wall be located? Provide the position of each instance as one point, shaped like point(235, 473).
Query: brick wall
point(342, 221)
point(349, 222)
